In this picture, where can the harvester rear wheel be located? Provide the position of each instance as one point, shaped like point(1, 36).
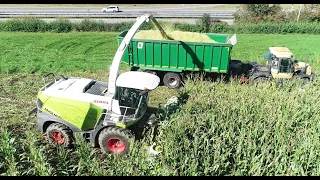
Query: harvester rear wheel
point(59, 134)
point(172, 80)
point(115, 140)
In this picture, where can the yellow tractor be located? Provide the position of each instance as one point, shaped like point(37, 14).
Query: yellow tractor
point(280, 65)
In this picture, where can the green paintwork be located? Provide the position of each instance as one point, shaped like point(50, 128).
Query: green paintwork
point(83, 115)
point(178, 56)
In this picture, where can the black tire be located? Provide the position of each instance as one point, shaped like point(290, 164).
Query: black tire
point(104, 11)
point(151, 72)
point(304, 80)
point(172, 80)
point(60, 134)
point(259, 80)
point(134, 69)
point(313, 77)
point(115, 140)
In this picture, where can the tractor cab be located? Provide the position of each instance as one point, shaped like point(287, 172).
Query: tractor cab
point(280, 65)
point(279, 61)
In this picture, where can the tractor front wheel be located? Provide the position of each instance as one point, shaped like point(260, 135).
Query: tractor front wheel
point(59, 134)
point(115, 140)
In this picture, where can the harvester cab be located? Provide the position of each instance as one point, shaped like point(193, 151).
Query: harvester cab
point(280, 65)
point(98, 111)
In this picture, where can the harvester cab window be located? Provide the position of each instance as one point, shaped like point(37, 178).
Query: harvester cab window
point(128, 97)
point(130, 101)
point(142, 106)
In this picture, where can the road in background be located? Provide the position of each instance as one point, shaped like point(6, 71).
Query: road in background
point(163, 13)
point(118, 20)
point(184, 7)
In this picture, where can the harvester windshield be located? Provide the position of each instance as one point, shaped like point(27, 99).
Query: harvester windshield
point(132, 104)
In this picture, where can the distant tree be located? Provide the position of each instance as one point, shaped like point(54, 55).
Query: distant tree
point(204, 23)
point(310, 12)
point(257, 9)
point(256, 13)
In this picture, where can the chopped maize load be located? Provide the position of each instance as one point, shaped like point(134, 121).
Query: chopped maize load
point(176, 35)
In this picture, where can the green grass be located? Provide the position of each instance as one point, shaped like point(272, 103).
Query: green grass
point(251, 47)
point(45, 52)
point(65, 52)
point(221, 129)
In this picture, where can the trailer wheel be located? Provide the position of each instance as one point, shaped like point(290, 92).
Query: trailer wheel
point(151, 72)
point(134, 69)
point(172, 80)
point(115, 140)
point(59, 134)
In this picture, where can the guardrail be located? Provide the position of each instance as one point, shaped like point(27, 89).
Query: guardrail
point(117, 15)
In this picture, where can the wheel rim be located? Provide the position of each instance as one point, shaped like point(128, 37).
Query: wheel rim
point(57, 137)
point(116, 145)
point(172, 81)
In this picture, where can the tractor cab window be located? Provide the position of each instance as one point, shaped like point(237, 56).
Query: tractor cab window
point(285, 65)
point(274, 63)
point(267, 56)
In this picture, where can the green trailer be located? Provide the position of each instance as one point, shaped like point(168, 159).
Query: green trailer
point(171, 60)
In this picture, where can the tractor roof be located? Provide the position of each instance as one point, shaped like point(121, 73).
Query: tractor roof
point(281, 52)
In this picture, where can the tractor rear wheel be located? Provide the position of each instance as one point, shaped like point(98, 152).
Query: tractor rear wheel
point(172, 80)
point(59, 134)
point(303, 80)
point(115, 140)
point(260, 79)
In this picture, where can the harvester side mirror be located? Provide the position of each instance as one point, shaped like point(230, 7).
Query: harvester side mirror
point(46, 76)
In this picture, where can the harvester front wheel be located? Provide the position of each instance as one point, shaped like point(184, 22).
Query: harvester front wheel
point(115, 140)
point(172, 80)
point(59, 134)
